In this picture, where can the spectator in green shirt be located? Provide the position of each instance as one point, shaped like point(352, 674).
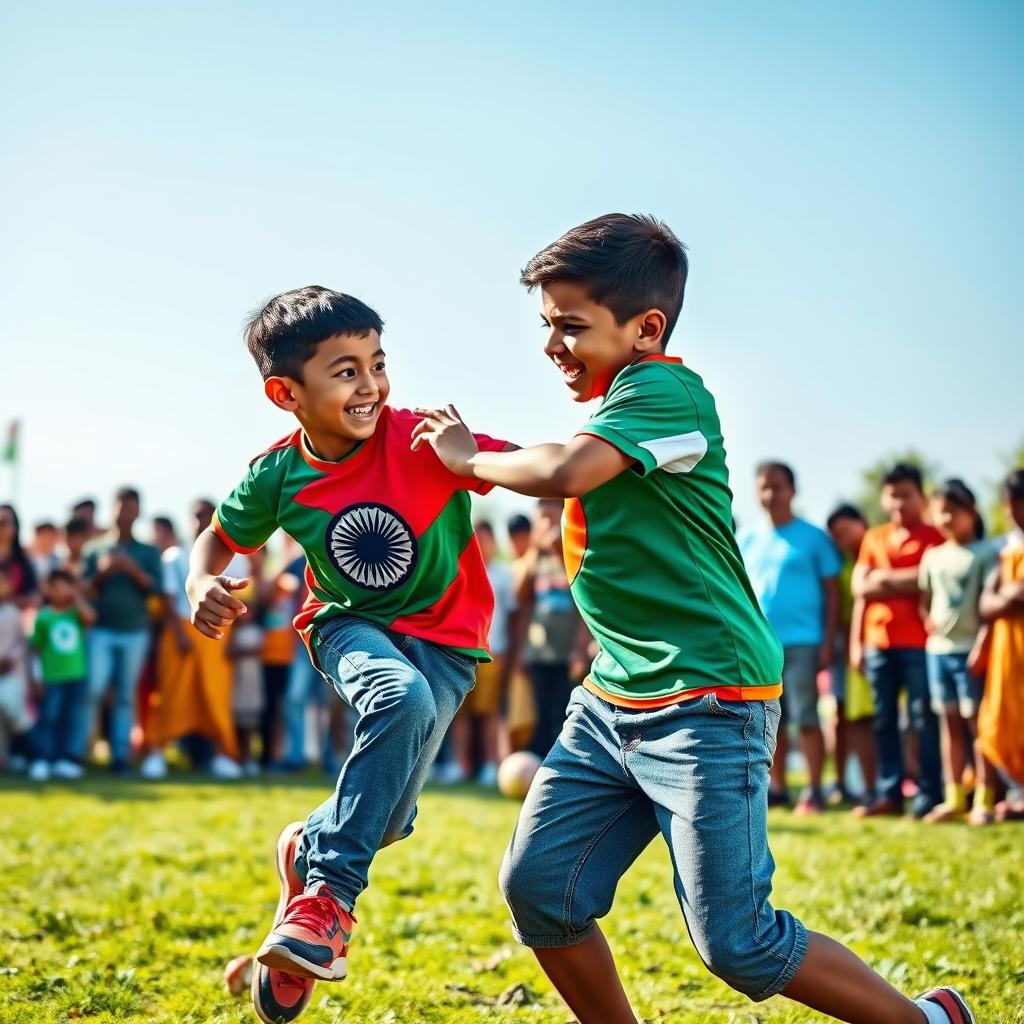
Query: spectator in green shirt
point(59, 639)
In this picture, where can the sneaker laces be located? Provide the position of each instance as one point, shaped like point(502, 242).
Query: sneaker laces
point(311, 911)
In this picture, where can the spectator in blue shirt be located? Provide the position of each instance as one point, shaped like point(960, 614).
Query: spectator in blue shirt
point(794, 569)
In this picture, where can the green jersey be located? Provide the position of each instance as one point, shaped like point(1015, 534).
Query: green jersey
point(656, 571)
point(60, 640)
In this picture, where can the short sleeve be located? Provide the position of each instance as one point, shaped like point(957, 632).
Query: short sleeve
point(651, 417)
point(244, 520)
point(171, 577)
point(924, 574)
point(867, 556)
point(485, 444)
point(38, 637)
point(829, 562)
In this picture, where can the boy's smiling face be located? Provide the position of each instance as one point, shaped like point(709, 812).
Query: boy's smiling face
point(587, 345)
point(344, 387)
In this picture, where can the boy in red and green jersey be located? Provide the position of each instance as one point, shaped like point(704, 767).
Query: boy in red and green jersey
point(397, 616)
point(674, 730)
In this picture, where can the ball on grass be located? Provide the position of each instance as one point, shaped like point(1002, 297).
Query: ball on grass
point(238, 975)
point(516, 773)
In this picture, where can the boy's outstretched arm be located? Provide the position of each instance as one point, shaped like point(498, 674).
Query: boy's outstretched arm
point(209, 592)
point(544, 471)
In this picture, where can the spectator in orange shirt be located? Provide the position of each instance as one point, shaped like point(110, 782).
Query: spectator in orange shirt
point(885, 586)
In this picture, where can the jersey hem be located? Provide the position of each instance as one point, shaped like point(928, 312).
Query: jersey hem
point(722, 692)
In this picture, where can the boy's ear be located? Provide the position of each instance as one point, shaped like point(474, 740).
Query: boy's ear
point(651, 331)
point(279, 391)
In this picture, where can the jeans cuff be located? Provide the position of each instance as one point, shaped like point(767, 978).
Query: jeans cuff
point(553, 941)
point(314, 880)
point(792, 965)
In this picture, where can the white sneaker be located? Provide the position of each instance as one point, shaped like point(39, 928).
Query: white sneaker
point(68, 770)
point(39, 771)
point(252, 769)
point(154, 766)
point(222, 767)
point(488, 775)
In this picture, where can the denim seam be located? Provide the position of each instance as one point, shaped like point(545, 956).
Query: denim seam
point(570, 889)
point(755, 927)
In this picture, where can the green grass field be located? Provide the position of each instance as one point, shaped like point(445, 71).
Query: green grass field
point(123, 901)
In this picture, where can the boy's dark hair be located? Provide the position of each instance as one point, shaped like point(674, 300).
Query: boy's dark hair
point(46, 526)
point(60, 574)
point(165, 522)
point(904, 472)
point(284, 332)
point(75, 527)
point(128, 494)
point(627, 263)
point(89, 503)
point(484, 524)
point(845, 511)
point(519, 524)
point(1013, 485)
point(778, 467)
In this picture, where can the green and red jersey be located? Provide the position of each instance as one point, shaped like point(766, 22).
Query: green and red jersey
point(655, 568)
point(386, 531)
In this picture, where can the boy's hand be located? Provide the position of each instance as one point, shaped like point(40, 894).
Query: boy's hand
point(212, 603)
point(450, 437)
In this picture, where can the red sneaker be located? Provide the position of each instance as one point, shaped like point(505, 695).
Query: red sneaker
point(279, 997)
point(312, 939)
point(952, 1003)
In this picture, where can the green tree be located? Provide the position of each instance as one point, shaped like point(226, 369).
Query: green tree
point(871, 481)
point(996, 519)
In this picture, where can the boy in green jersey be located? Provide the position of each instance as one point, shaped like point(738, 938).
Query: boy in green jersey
point(674, 729)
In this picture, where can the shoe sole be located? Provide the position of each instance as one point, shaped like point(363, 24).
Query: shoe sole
point(280, 958)
point(284, 849)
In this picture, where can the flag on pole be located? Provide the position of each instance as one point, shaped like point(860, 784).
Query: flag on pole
point(10, 449)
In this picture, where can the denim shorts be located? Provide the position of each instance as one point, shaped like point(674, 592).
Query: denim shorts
point(951, 687)
point(695, 772)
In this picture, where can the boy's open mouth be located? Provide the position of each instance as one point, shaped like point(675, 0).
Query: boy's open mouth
point(571, 368)
point(362, 412)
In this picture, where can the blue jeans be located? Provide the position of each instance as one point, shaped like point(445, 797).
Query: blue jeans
point(404, 693)
point(697, 772)
point(120, 654)
point(889, 671)
point(60, 711)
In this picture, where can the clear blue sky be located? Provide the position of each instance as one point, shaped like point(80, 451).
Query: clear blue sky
point(846, 176)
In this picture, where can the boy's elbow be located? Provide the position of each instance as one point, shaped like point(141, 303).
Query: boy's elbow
point(566, 481)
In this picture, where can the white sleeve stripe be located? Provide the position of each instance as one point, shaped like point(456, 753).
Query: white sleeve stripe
point(679, 453)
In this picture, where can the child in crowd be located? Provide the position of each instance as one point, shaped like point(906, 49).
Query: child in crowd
point(1001, 720)
point(15, 719)
point(852, 692)
point(59, 640)
point(245, 651)
point(892, 651)
point(951, 577)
